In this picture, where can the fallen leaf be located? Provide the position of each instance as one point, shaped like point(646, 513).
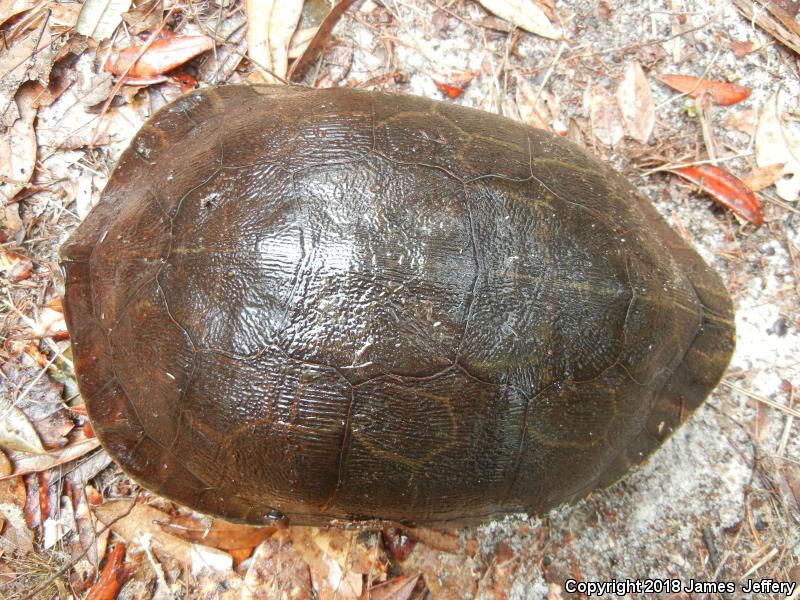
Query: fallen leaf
point(210, 559)
point(270, 26)
point(722, 92)
point(29, 58)
point(451, 91)
point(24, 386)
point(398, 588)
point(525, 14)
point(542, 112)
point(636, 103)
point(16, 430)
point(218, 533)
point(16, 266)
point(606, 116)
point(146, 17)
point(314, 47)
point(743, 120)
point(277, 570)
point(18, 145)
point(99, 18)
point(776, 143)
point(742, 49)
point(11, 8)
point(37, 463)
point(112, 577)
point(160, 57)
point(331, 580)
point(300, 41)
point(216, 67)
point(133, 521)
point(726, 189)
point(762, 177)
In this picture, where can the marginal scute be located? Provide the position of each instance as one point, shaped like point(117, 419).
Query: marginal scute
point(338, 304)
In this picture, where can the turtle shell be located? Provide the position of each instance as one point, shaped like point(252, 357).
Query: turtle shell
point(339, 304)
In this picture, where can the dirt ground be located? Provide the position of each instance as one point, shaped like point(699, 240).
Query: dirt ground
point(720, 501)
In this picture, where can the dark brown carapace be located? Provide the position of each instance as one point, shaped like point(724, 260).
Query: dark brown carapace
point(338, 304)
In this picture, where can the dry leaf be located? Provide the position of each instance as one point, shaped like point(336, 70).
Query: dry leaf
point(270, 26)
point(524, 14)
point(761, 178)
point(11, 8)
point(300, 41)
point(133, 522)
point(721, 92)
point(16, 266)
point(277, 571)
point(743, 120)
point(606, 116)
point(218, 533)
point(725, 189)
point(18, 146)
point(399, 588)
point(99, 18)
point(38, 463)
point(775, 143)
point(319, 40)
point(636, 103)
point(543, 112)
point(332, 581)
point(160, 57)
point(17, 433)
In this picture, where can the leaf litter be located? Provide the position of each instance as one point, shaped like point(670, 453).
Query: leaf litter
point(601, 89)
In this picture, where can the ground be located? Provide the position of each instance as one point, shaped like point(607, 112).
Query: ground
point(718, 502)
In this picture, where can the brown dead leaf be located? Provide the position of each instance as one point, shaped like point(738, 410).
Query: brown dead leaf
point(32, 392)
point(99, 18)
point(158, 58)
point(317, 43)
point(742, 49)
point(17, 267)
point(332, 581)
point(525, 14)
point(606, 117)
point(11, 8)
point(146, 17)
point(18, 145)
point(743, 120)
point(762, 177)
point(398, 588)
point(37, 463)
point(636, 103)
point(300, 41)
point(270, 26)
point(776, 143)
point(277, 571)
point(133, 522)
point(721, 92)
point(542, 112)
point(217, 533)
point(444, 572)
point(216, 67)
point(13, 227)
point(29, 58)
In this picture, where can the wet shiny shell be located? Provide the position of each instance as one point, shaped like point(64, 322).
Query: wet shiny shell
point(337, 304)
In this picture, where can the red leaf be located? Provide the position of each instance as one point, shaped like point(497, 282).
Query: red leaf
point(451, 91)
point(162, 56)
point(113, 576)
point(722, 92)
point(725, 189)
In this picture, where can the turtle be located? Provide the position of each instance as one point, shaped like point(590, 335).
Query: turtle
point(337, 305)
